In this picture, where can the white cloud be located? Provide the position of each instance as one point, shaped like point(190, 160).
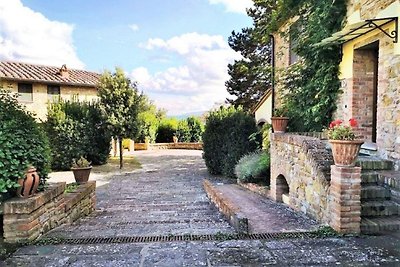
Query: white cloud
point(28, 36)
point(134, 27)
point(235, 6)
point(196, 84)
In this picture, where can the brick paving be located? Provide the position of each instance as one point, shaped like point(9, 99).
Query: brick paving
point(166, 197)
point(265, 215)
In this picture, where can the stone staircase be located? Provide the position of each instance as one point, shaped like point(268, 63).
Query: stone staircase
point(380, 196)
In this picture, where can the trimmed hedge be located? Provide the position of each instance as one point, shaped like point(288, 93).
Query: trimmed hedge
point(77, 129)
point(22, 143)
point(227, 138)
point(166, 130)
point(254, 167)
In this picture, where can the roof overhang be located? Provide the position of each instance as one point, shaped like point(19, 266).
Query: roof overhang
point(353, 31)
point(264, 98)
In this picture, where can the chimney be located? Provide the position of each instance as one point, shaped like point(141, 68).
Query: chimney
point(63, 71)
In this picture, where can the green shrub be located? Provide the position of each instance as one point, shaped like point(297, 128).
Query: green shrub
point(77, 129)
point(166, 130)
point(183, 131)
point(22, 143)
point(196, 129)
point(189, 130)
point(227, 138)
point(254, 167)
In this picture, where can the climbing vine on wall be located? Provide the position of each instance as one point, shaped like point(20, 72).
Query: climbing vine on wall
point(311, 86)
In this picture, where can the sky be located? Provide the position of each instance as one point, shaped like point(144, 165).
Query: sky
point(176, 50)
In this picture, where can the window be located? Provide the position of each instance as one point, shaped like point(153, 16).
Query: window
point(53, 92)
point(293, 42)
point(25, 92)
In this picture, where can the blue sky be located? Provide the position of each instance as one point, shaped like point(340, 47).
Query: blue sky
point(177, 49)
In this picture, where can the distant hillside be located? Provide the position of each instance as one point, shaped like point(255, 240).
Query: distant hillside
point(186, 115)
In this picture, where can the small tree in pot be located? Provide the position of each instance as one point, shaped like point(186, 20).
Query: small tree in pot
point(81, 169)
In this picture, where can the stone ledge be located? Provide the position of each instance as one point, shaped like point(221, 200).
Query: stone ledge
point(261, 190)
point(29, 205)
point(73, 198)
point(143, 146)
point(226, 207)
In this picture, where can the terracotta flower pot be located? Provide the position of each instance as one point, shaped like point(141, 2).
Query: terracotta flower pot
point(81, 174)
point(29, 184)
point(279, 124)
point(345, 152)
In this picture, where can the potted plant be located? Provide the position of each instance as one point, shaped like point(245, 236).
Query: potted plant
point(29, 184)
point(81, 169)
point(345, 146)
point(279, 120)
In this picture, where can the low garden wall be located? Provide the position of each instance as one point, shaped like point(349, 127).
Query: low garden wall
point(304, 177)
point(300, 174)
point(192, 146)
point(26, 219)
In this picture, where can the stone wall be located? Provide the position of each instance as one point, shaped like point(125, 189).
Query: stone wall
point(367, 8)
point(303, 177)
point(301, 166)
point(192, 146)
point(25, 219)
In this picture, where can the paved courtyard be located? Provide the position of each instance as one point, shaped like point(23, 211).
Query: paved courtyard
point(166, 198)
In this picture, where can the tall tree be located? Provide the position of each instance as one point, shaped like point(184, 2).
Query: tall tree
point(251, 75)
point(122, 103)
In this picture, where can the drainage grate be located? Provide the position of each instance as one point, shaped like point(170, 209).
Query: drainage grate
point(173, 238)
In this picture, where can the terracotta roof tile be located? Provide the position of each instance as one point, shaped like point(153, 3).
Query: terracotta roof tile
point(17, 71)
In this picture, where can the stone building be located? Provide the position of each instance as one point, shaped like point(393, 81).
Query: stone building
point(38, 84)
point(369, 73)
point(350, 199)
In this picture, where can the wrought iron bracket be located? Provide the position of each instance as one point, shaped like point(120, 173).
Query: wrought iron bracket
point(391, 34)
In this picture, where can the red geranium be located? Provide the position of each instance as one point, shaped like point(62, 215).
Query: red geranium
point(335, 123)
point(353, 122)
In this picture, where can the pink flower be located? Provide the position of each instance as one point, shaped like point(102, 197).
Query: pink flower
point(353, 122)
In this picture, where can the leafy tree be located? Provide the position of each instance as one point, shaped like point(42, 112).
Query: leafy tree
point(122, 104)
point(149, 120)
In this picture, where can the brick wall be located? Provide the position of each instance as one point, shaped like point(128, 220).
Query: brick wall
point(24, 220)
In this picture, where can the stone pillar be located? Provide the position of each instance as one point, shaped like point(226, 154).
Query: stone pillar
point(345, 191)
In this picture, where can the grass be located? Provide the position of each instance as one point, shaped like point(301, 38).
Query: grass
point(70, 187)
point(130, 164)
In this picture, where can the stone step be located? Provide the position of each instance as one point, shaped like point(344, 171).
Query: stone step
point(374, 225)
point(387, 178)
point(368, 163)
point(371, 177)
point(379, 208)
point(375, 192)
